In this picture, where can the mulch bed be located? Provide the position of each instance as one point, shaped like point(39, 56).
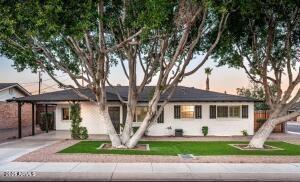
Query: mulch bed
point(49, 154)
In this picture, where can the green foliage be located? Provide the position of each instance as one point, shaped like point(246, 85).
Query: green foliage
point(243, 44)
point(46, 117)
point(256, 91)
point(205, 130)
point(135, 129)
point(208, 70)
point(245, 132)
point(77, 132)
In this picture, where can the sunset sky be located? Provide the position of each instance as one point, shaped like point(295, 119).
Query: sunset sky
point(222, 78)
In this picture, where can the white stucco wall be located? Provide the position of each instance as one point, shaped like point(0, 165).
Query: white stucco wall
point(191, 127)
point(90, 118)
point(5, 95)
point(61, 124)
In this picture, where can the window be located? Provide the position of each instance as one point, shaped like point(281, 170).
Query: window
point(244, 111)
point(234, 111)
point(187, 112)
point(140, 113)
point(11, 91)
point(222, 111)
point(65, 114)
point(228, 111)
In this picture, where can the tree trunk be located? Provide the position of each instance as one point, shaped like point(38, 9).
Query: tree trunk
point(262, 134)
point(113, 135)
point(266, 129)
point(127, 131)
point(133, 141)
point(207, 83)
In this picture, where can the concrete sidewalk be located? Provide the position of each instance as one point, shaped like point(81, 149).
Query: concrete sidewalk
point(152, 171)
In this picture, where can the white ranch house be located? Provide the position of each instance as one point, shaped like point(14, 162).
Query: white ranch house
point(189, 109)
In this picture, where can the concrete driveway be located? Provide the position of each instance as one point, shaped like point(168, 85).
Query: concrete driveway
point(9, 151)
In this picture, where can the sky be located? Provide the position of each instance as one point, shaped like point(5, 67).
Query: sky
point(222, 78)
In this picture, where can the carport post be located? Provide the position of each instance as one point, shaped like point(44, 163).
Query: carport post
point(47, 129)
point(19, 119)
point(33, 119)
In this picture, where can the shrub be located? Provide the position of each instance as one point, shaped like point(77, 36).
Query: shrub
point(261, 120)
point(135, 128)
point(205, 130)
point(44, 117)
point(244, 132)
point(77, 132)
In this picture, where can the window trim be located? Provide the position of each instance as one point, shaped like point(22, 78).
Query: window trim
point(135, 116)
point(227, 111)
point(181, 114)
point(240, 114)
point(229, 117)
point(62, 113)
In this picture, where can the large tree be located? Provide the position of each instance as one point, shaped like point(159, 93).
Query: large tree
point(263, 39)
point(165, 53)
point(86, 38)
point(69, 36)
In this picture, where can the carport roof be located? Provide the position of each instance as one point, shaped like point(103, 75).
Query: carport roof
point(181, 94)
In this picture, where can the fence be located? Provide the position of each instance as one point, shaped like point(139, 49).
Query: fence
point(261, 114)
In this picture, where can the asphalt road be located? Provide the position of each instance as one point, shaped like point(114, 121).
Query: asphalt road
point(293, 128)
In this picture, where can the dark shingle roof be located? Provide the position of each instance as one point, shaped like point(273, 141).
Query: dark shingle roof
point(6, 85)
point(16, 85)
point(181, 94)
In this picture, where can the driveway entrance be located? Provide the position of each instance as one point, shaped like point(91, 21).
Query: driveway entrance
point(10, 151)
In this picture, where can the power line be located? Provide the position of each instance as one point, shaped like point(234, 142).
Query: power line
point(49, 86)
point(32, 83)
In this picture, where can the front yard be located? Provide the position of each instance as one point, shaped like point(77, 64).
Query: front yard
point(173, 148)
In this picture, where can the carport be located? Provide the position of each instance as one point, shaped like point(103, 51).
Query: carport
point(33, 114)
point(46, 100)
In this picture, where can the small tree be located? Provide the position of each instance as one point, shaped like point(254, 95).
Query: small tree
point(77, 132)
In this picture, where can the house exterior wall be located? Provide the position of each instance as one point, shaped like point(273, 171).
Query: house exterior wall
point(191, 127)
point(5, 94)
point(90, 117)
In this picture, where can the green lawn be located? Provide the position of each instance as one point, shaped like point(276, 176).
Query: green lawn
point(184, 147)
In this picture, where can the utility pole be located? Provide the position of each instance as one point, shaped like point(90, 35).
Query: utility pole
point(40, 82)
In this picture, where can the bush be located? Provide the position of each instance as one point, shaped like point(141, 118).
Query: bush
point(135, 128)
point(205, 130)
point(244, 132)
point(261, 120)
point(49, 117)
point(77, 132)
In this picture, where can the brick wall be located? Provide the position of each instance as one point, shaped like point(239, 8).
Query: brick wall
point(9, 115)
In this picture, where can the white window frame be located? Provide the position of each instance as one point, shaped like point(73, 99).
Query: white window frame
point(136, 119)
point(181, 116)
point(229, 117)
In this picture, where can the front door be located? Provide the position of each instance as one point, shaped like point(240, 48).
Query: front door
point(114, 113)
